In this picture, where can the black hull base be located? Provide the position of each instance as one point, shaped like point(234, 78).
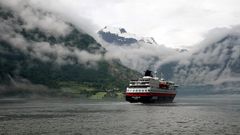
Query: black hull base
point(150, 99)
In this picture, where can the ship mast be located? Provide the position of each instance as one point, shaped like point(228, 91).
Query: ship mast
point(162, 77)
point(155, 75)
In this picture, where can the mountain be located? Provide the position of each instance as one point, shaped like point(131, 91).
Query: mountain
point(218, 62)
point(120, 36)
point(53, 57)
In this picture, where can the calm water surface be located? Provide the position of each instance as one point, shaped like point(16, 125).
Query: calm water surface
point(188, 115)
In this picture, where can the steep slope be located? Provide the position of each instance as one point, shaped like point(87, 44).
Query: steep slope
point(217, 62)
point(63, 60)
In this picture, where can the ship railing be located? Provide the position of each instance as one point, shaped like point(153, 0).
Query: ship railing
point(139, 82)
point(139, 86)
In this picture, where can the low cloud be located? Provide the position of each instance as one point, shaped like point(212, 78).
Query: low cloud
point(215, 60)
point(50, 25)
point(57, 53)
point(140, 56)
point(20, 86)
point(37, 18)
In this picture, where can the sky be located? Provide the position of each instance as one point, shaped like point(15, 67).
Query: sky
point(174, 23)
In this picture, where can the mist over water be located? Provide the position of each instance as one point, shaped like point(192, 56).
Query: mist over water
point(187, 115)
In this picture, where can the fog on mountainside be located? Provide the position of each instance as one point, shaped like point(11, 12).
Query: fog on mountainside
point(215, 61)
point(41, 53)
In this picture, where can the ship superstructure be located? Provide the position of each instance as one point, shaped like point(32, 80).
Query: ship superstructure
point(150, 89)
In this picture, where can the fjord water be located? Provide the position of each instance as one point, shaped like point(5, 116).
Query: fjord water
point(187, 115)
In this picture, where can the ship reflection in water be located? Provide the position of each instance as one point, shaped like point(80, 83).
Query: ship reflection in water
point(207, 115)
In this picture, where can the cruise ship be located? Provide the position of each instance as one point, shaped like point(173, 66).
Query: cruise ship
point(150, 89)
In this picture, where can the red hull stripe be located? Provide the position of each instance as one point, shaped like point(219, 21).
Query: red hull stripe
point(150, 94)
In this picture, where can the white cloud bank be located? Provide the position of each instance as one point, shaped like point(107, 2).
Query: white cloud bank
point(140, 56)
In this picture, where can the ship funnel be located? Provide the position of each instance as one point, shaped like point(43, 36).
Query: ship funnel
point(148, 73)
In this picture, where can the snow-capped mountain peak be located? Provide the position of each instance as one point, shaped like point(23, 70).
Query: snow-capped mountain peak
point(120, 36)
